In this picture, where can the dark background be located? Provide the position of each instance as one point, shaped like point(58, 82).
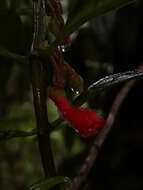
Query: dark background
point(108, 44)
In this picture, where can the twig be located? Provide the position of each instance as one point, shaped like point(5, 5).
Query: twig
point(93, 152)
point(9, 134)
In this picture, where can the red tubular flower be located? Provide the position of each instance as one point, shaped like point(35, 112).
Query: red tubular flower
point(83, 120)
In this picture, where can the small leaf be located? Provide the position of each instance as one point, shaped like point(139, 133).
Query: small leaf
point(49, 183)
point(88, 9)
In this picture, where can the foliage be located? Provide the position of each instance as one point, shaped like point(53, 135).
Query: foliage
point(97, 51)
point(83, 11)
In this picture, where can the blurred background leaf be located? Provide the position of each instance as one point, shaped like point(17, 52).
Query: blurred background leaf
point(84, 10)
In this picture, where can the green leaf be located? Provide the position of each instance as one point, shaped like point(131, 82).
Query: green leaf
point(49, 183)
point(13, 56)
point(106, 82)
point(88, 9)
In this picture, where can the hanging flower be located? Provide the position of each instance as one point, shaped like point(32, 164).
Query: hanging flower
point(86, 122)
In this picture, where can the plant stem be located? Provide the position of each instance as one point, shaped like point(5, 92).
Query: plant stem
point(40, 96)
point(39, 86)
